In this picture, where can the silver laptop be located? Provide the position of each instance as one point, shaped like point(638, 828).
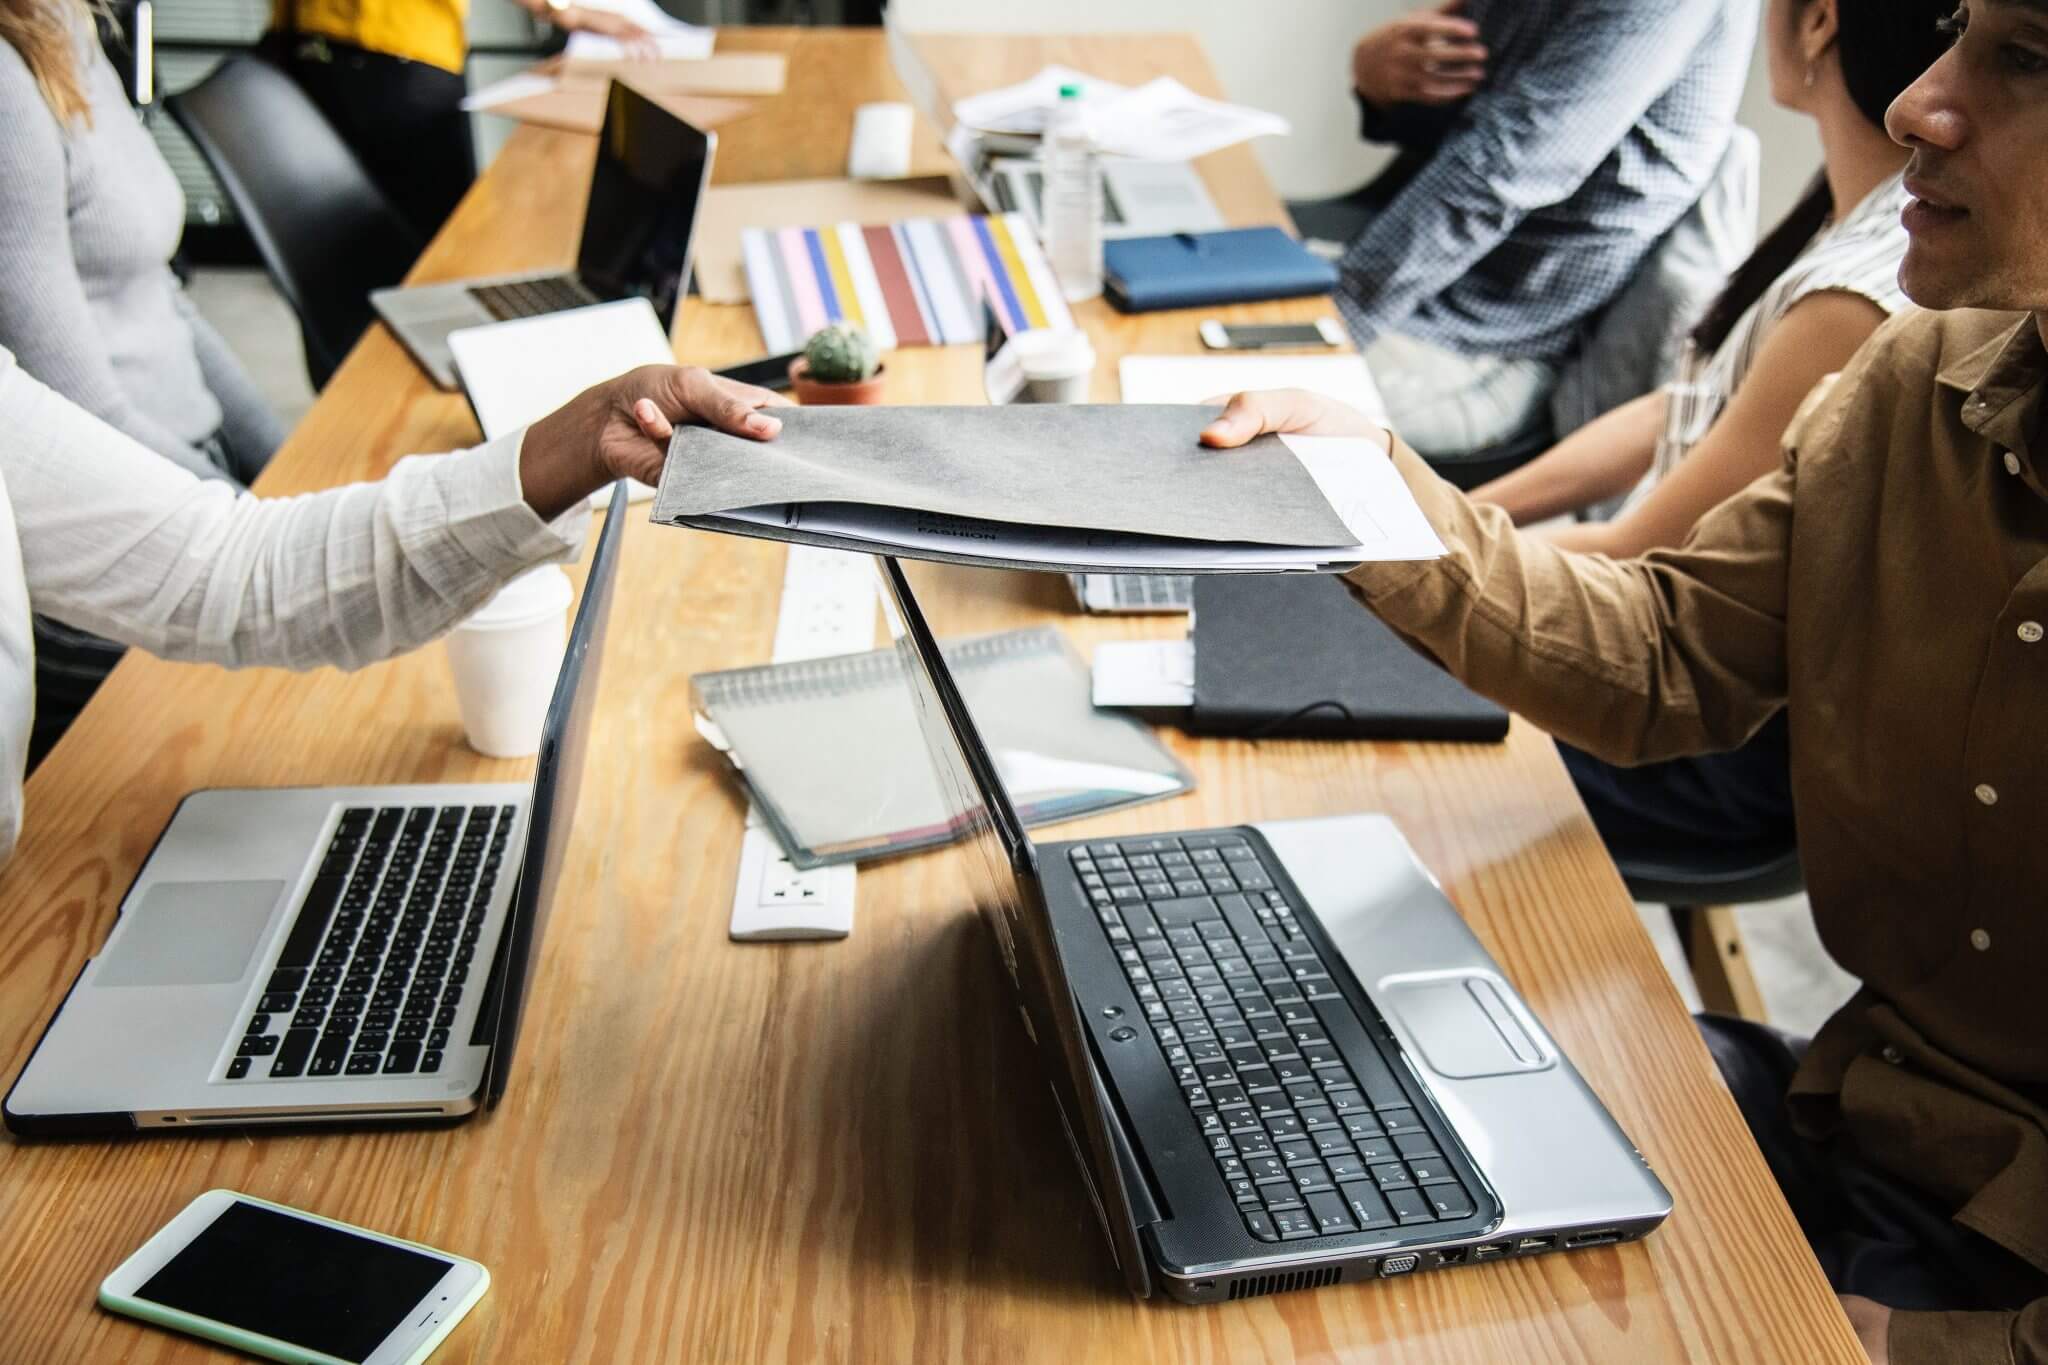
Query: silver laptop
point(1140, 594)
point(325, 955)
point(1139, 198)
point(1279, 1055)
point(651, 172)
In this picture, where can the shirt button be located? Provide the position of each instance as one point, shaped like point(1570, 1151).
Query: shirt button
point(1987, 793)
point(2030, 631)
point(1891, 1054)
point(2012, 463)
point(1980, 940)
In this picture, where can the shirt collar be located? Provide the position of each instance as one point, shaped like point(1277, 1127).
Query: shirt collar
point(2004, 379)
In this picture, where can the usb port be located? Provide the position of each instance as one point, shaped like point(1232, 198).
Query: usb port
point(1529, 1244)
point(1593, 1239)
point(1481, 1252)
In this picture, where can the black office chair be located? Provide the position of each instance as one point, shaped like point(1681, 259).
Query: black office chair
point(325, 231)
point(1702, 887)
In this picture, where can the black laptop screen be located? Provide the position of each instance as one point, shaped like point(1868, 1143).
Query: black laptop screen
point(557, 782)
point(644, 192)
point(1003, 871)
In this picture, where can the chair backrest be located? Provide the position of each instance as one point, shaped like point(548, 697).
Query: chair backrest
point(326, 232)
point(1635, 343)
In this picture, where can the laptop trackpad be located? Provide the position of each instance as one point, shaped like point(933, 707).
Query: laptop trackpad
point(1463, 1027)
point(189, 934)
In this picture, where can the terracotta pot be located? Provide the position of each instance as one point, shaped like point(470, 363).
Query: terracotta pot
point(815, 393)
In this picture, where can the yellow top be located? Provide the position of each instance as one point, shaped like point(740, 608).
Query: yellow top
point(422, 30)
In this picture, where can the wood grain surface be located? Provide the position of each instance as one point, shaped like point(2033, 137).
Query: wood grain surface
point(718, 1152)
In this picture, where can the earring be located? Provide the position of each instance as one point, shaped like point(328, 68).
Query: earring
point(1809, 76)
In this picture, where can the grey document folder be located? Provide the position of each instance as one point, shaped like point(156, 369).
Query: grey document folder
point(830, 749)
point(1037, 486)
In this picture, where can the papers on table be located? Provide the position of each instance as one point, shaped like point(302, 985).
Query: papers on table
point(518, 372)
point(525, 85)
point(673, 39)
point(1199, 378)
point(1161, 120)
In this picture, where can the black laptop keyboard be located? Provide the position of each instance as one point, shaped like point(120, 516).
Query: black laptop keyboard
point(374, 969)
point(1311, 1142)
point(532, 298)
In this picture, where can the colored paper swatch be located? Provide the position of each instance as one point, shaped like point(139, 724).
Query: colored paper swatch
point(919, 282)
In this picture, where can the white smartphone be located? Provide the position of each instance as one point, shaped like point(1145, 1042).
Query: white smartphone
point(1263, 336)
point(291, 1286)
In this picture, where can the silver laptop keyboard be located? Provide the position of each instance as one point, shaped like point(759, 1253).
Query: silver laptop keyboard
point(1153, 592)
point(1311, 1142)
point(370, 977)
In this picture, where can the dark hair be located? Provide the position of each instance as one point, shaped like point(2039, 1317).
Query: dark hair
point(1884, 45)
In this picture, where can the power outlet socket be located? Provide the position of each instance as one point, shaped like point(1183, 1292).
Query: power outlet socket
point(777, 900)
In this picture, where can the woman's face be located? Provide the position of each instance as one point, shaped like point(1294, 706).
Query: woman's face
point(1781, 49)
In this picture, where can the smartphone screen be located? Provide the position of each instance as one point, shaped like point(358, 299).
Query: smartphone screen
point(769, 372)
point(305, 1283)
point(1275, 334)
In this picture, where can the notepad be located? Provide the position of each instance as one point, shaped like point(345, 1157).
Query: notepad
point(918, 282)
point(830, 751)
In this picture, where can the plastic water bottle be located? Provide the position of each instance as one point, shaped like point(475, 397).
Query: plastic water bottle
point(1073, 200)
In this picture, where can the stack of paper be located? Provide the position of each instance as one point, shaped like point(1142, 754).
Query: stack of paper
point(1161, 120)
point(1071, 488)
point(914, 283)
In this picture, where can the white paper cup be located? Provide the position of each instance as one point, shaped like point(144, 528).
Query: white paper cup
point(1056, 364)
point(506, 658)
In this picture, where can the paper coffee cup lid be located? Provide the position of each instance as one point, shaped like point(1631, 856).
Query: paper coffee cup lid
point(533, 596)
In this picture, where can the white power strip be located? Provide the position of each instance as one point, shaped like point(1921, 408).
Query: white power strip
point(828, 607)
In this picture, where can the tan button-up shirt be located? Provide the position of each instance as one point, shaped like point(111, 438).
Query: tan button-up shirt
point(1889, 586)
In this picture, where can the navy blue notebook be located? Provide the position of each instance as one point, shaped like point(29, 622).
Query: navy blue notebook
point(1193, 269)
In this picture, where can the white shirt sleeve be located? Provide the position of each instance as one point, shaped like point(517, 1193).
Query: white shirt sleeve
point(117, 540)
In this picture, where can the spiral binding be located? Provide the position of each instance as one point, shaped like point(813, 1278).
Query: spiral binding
point(844, 674)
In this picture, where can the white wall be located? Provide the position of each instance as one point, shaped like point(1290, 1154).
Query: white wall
point(1293, 57)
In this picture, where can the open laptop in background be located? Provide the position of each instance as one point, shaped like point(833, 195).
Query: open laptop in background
point(651, 173)
point(1282, 1059)
point(326, 955)
point(1139, 198)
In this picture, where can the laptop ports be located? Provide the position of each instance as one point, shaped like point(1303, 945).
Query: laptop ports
point(1533, 1244)
point(1600, 1237)
point(1455, 1256)
point(1487, 1250)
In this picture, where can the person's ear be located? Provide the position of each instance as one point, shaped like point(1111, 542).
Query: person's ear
point(1820, 25)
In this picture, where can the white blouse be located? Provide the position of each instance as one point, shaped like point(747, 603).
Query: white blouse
point(1858, 254)
point(104, 535)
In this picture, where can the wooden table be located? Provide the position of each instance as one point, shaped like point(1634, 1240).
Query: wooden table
point(841, 1151)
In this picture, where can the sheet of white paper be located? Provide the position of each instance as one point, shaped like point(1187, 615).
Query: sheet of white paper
point(1058, 547)
point(1144, 673)
point(1163, 120)
point(1198, 378)
point(512, 88)
point(1358, 478)
point(676, 40)
point(1024, 108)
point(518, 372)
point(1027, 774)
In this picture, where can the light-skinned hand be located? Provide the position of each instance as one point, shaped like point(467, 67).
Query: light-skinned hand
point(621, 428)
point(1432, 56)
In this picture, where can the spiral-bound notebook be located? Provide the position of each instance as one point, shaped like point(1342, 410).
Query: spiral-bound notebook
point(830, 752)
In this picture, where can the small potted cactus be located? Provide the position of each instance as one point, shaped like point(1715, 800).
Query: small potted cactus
point(841, 364)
